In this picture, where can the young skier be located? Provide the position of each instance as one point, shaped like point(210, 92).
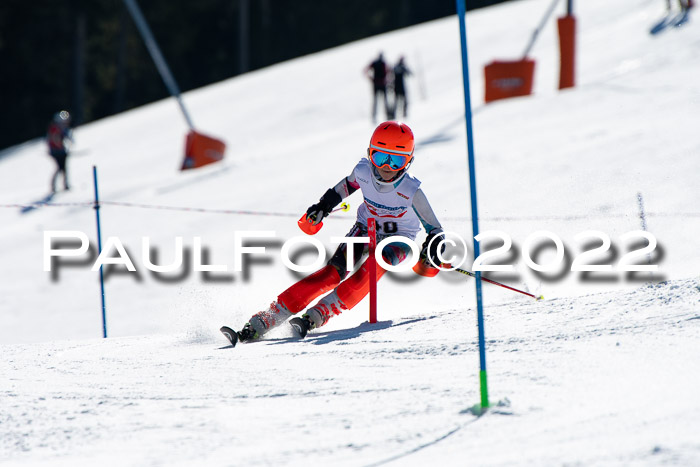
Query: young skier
point(57, 133)
point(394, 198)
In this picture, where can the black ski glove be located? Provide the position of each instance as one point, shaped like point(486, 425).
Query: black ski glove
point(430, 250)
point(328, 201)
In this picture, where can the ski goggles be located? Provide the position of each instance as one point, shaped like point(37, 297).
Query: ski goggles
point(387, 160)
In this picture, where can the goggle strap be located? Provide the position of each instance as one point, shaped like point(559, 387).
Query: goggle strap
point(403, 153)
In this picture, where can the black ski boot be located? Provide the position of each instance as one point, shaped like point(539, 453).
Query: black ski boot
point(301, 326)
point(248, 333)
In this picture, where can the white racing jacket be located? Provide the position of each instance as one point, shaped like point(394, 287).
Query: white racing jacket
point(399, 208)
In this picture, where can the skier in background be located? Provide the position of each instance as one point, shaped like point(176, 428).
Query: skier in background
point(58, 132)
point(378, 73)
point(400, 72)
point(394, 198)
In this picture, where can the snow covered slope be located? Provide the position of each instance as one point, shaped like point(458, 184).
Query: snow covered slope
point(601, 379)
point(604, 371)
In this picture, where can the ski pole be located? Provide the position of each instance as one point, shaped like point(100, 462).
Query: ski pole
point(308, 228)
point(345, 207)
point(471, 274)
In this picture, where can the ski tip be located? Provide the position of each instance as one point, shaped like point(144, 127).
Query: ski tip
point(230, 334)
point(540, 297)
point(298, 329)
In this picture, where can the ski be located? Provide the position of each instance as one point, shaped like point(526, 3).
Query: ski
point(671, 20)
point(681, 19)
point(663, 24)
point(300, 326)
point(230, 334)
point(37, 204)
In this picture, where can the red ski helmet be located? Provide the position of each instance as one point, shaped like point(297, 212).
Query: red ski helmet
point(392, 138)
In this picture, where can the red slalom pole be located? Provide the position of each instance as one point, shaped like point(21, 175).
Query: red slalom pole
point(372, 263)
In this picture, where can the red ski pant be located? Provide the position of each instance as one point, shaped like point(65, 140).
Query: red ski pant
point(351, 291)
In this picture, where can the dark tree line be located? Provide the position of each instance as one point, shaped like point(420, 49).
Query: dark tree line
point(86, 56)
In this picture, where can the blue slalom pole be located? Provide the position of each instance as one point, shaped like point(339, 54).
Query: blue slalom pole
point(99, 251)
point(461, 12)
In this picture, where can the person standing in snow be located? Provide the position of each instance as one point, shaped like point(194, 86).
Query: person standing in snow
point(378, 73)
point(401, 71)
point(394, 198)
point(57, 133)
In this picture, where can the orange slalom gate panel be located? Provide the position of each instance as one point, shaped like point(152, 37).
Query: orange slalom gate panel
point(201, 150)
point(508, 79)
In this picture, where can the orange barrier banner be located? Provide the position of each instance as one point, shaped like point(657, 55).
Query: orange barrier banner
point(505, 79)
point(201, 150)
point(567, 51)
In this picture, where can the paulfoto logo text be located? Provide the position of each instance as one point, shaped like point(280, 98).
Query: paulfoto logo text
point(453, 251)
